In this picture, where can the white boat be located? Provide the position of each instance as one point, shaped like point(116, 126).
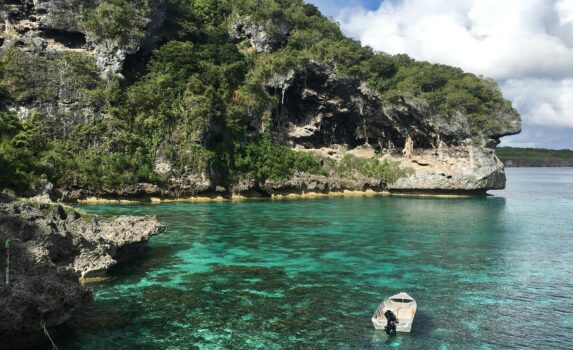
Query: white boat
point(403, 306)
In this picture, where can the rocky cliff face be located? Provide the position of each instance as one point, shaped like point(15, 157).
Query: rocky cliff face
point(53, 247)
point(464, 169)
point(65, 59)
point(328, 114)
point(57, 61)
point(323, 113)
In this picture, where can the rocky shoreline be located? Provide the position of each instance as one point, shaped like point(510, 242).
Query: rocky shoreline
point(52, 248)
point(460, 170)
point(280, 196)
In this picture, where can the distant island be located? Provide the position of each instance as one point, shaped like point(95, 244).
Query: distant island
point(535, 157)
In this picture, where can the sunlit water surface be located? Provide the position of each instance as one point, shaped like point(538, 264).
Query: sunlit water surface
point(488, 273)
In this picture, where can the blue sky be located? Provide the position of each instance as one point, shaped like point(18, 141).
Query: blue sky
point(524, 45)
point(332, 7)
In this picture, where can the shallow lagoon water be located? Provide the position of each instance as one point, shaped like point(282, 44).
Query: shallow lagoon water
point(488, 273)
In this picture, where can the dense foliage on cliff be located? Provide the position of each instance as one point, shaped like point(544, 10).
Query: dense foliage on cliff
point(192, 101)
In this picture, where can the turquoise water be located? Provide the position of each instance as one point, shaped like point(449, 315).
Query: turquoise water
point(488, 273)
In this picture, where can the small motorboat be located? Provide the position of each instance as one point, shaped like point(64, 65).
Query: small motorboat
point(395, 314)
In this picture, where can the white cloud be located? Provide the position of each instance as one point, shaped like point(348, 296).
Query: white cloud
point(526, 45)
point(501, 39)
point(544, 102)
point(565, 9)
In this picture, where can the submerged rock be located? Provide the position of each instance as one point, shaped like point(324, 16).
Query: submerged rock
point(52, 247)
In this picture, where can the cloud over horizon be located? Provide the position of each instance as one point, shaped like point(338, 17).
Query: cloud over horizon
point(525, 45)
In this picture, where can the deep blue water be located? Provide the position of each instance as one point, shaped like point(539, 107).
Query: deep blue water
point(488, 273)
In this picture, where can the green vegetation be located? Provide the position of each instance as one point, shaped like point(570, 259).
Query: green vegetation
point(447, 90)
point(197, 94)
point(15, 163)
point(121, 20)
point(68, 75)
point(27, 155)
point(533, 156)
point(351, 165)
point(265, 160)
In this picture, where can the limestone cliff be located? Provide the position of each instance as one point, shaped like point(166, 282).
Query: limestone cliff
point(321, 111)
point(163, 98)
point(60, 58)
point(52, 247)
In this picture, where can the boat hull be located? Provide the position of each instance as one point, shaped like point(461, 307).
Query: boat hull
point(402, 306)
point(404, 326)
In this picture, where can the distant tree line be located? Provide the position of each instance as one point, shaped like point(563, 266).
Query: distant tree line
point(535, 157)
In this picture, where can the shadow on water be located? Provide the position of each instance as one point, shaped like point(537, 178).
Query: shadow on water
point(423, 324)
point(144, 260)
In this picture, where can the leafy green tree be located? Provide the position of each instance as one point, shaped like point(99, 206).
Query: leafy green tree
point(265, 160)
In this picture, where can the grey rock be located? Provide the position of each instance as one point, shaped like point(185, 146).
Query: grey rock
point(43, 32)
point(52, 247)
point(264, 37)
point(302, 183)
point(57, 14)
point(110, 57)
point(41, 192)
point(111, 238)
point(189, 184)
point(462, 169)
point(318, 109)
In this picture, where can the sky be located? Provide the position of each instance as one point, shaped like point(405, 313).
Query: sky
point(525, 45)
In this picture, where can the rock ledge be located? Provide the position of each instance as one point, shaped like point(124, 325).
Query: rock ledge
point(52, 247)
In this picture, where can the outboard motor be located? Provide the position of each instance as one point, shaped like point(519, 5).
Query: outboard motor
point(392, 321)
